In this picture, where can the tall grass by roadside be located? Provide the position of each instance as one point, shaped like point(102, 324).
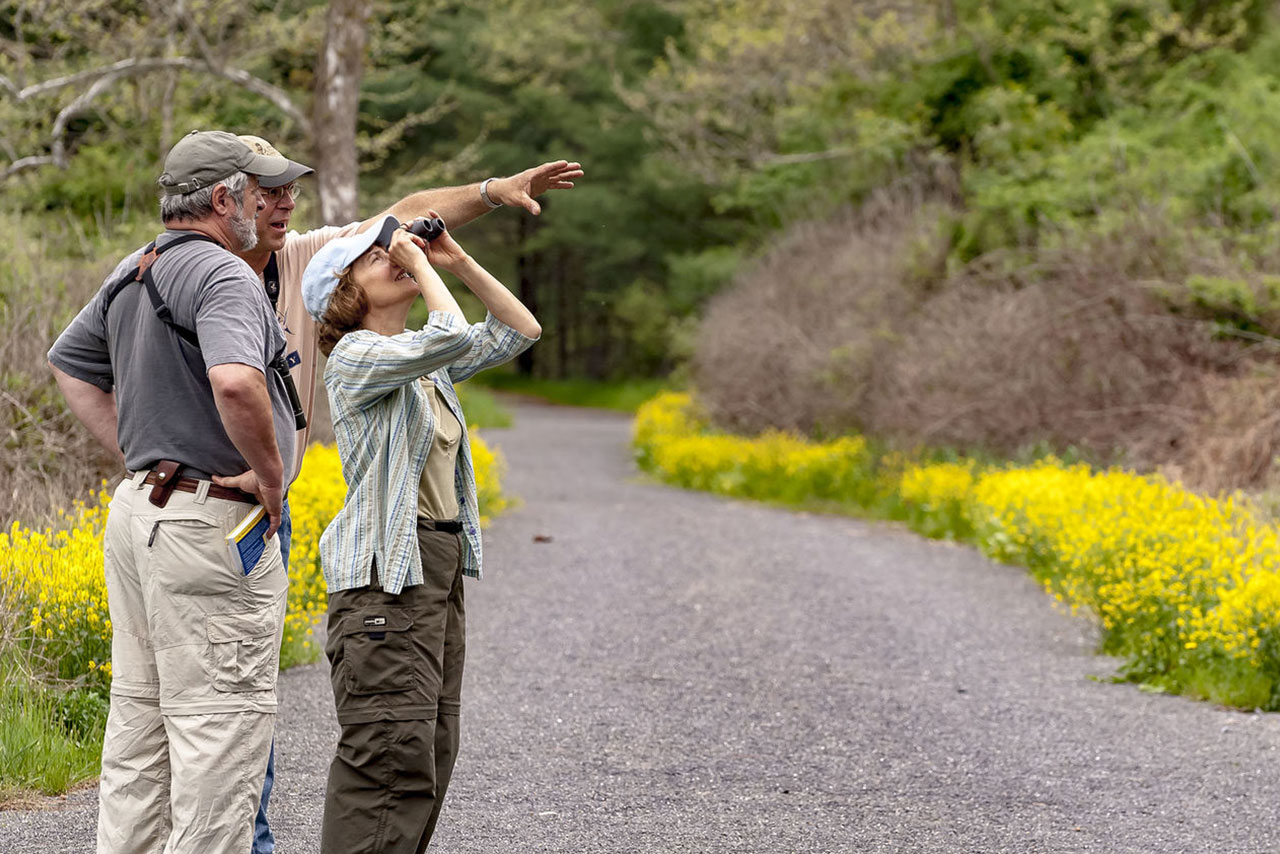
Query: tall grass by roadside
point(48, 271)
point(55, 631)
point(1185, 588)
point(50, 736)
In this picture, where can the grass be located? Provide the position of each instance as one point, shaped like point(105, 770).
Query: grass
point(618, 395)
point(481, 407)
point(51, 738)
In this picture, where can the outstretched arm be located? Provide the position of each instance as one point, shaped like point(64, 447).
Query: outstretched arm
point(458, 206)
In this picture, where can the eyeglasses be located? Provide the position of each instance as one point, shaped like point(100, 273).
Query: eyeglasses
point(275, 194)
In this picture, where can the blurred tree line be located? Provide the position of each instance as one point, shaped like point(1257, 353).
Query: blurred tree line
point(448, 93)
point(1001, 226)
point(706, 128)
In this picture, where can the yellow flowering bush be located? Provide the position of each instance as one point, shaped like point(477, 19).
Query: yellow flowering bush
point(315, 498)
point(1185, 587)
point(489, 468)
point(674, 441)
point(53, 597)
point(935, 498)
point(55, 633)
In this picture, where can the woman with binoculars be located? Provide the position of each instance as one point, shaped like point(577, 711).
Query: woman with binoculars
point(395, 556)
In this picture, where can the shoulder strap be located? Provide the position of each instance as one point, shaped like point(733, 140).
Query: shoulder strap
point(142, 273)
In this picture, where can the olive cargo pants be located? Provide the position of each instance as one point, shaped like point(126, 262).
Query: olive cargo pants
point(396, 667)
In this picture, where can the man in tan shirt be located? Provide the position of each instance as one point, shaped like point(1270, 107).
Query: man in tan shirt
point(281, 255)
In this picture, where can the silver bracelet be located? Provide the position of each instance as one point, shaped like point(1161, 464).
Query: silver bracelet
point(484, 194)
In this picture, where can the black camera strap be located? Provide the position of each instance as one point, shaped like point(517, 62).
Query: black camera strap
point(271, 282)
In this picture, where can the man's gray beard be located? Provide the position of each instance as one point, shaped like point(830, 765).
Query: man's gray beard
point(244, 229)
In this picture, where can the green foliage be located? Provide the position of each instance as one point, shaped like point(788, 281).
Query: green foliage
point(481, 407)
point(620, 396)
point(1251, 306)
point(51, 739)
point(1056, 116)
point(706, 128)
point(695, 276)
point(463, 91)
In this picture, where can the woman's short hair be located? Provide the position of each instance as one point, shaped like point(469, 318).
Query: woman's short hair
point(347, 308)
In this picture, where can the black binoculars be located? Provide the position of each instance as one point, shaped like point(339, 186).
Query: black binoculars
point(428, 228)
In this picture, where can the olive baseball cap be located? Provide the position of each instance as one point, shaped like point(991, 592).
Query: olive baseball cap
point(202, 158)
point(294, 172)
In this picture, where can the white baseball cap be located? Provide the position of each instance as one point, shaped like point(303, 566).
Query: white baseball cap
point(321, 276)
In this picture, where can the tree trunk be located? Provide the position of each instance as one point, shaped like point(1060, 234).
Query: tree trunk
point(526, 273)
point(333, 113)
point(562, 317)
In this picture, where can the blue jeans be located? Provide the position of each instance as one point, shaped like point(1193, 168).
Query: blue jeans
point(263, 841)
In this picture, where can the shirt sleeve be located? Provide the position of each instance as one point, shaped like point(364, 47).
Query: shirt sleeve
point(231, 320)
point(81, 350)
point(492, 343)
point(364, 365)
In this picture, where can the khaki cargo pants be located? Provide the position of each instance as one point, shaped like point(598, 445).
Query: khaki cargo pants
point(195, 654)
point(396, 667)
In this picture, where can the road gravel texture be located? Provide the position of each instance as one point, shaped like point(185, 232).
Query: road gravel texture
point(653, 670)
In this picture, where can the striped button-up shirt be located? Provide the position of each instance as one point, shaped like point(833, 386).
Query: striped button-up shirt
point(384, 427)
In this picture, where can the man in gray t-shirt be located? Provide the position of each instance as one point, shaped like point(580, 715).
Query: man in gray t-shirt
point(171, 369)
point(164, 398)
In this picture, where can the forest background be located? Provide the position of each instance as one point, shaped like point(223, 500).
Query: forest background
point(996, 226)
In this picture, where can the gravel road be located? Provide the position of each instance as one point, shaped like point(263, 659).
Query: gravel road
point(676, 672)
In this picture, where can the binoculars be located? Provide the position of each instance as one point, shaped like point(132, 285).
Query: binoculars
point(428, 228)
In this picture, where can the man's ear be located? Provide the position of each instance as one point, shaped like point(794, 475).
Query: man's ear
point(223, 203)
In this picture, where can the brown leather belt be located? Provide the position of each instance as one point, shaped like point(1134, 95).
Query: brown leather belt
point(168, 483)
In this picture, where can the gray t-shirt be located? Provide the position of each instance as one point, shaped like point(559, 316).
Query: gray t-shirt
point(163, 396)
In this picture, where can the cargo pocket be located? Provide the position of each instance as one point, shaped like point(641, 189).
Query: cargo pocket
point(377, 651)
point(243, 653)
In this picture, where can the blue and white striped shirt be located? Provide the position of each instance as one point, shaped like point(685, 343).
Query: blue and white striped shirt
point(384, 426)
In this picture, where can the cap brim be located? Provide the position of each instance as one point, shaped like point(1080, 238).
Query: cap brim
point(265, 166)
point(294, 172)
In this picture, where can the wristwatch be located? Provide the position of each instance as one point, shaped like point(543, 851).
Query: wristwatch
point(484, 194)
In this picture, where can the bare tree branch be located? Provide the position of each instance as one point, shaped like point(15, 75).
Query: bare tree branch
point(135, 67)
point(773, 159)
point(104, 77)
point(178, 14)
point(24, 163)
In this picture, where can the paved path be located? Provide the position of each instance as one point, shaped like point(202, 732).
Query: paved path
point(675, 672)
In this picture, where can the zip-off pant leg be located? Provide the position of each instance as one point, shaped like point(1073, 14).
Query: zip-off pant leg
point(195, 655)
